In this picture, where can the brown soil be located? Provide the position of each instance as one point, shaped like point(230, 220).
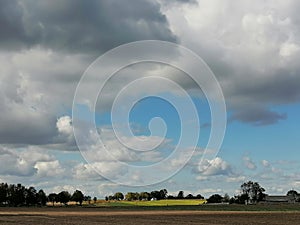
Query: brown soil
point(76, 216)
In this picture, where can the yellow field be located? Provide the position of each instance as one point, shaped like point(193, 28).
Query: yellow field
point(167, 202)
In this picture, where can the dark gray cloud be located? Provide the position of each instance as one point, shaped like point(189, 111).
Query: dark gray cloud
point(80, 26)
point(257, 116)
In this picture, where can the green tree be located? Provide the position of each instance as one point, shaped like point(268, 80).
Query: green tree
point(292, 193)
point(16, 195)
point(64, 197)
point(198, 196)
point(216, 198)
point(77, 197)
point(30, 196)
point(155, 195)
point(163, 194)
point(254, 191)
point(53, 197)
point(95, 200)
point(295, 194)
point(41, 198)
point(180, 195)
point(118, 196)
point(87, 199)
point(144, 196)
point(131, 196)
point(190, 196)
point(226, 198)
point(3, 193)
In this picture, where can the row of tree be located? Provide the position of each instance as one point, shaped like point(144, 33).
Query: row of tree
point(153, 195)
point(64, 197)
point(19, 195)
point(251, 192)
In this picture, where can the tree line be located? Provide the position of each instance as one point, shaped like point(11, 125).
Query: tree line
point(19, 195)
point(251, 192)
point(153, 195)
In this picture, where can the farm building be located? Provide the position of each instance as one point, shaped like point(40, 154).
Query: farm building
point(280, 199)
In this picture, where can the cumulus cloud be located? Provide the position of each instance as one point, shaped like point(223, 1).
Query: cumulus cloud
point(216, 166)
point(248, 162)
point(21, 162)
point(64, 125)
point(77, 26)
point(49, 169)
point(246, 48)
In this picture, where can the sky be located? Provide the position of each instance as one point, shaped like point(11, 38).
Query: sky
point(49, 56)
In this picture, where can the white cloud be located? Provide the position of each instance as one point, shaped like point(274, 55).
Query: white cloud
point(288, 49)
point(84, 172)
point(64, 125)
point(236, 179)
point(216, 166)
point(249, 163)
point(20, 162)
point(210, 191)
point(49, 169)
point(265, 163)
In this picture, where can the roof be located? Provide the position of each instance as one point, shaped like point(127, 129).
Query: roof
point(279, 198)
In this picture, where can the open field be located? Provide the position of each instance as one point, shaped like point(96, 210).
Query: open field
point(183, 202)
point(140, 215)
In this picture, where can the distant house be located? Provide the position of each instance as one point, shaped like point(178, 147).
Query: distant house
point(280, 199)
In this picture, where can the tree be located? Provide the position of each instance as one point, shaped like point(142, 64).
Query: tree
point(16, 195)
point(254, 191)
point(118, 196)
point(131, 196)
point(95, 200)
point(226, 198)
point(216, 198)
point(292, 193)
point(180, 195)
point(3, 193)
point(64, 197)
point(155, 195)
point(295, 195)
point(242, 199)
point(189, 196)
point(163, 194)
point(77, 197)
point(53, 197)
point(30, 196)
point(198, 196)
point(144, 196)
point(87, 199)
point(41, 198)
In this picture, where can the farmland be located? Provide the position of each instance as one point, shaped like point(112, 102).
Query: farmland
point(140, 215)
point(177, 202)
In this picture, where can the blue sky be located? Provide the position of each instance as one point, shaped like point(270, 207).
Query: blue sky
point(253, 51)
